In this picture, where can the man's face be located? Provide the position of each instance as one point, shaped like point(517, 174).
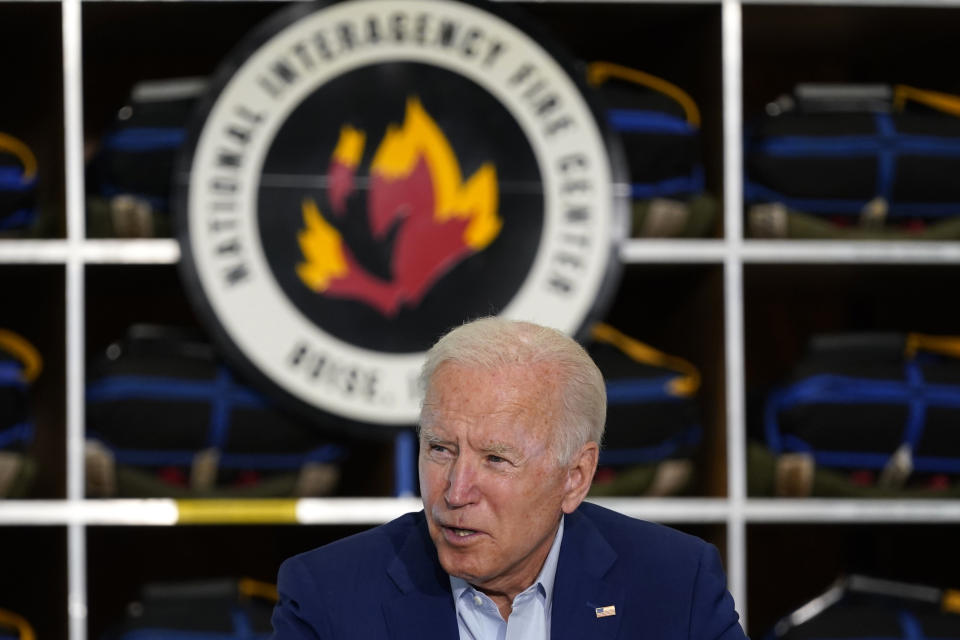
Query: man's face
point(492, 488)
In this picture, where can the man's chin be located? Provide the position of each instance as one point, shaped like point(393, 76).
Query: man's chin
point(455, 564)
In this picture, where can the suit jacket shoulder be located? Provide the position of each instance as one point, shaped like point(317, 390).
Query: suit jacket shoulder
point(382, 583)
point(661, 583)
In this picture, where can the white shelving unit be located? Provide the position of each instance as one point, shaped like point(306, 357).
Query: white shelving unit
point(731, 254)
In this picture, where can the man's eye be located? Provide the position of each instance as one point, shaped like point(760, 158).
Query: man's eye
point(495, 459)
point(438, 448)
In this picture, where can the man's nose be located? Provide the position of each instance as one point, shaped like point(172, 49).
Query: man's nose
point(461, 483)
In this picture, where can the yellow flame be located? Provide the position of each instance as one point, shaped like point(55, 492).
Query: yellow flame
point(475, 200)
point(350, 146)
point(322, 246)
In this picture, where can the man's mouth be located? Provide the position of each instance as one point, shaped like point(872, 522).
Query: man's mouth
point(459, 535)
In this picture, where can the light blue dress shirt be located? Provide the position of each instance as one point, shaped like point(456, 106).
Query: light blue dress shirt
point(479, 619)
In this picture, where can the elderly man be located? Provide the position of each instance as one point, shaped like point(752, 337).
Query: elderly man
point(505, 548)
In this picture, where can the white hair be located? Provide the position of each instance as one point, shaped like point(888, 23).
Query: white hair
point(494, 342)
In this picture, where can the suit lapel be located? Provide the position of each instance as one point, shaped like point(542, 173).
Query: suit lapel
point(580, 588)
point(424, 609)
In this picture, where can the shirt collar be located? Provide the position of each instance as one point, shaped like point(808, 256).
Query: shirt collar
point(544, 580)
point(549, 572)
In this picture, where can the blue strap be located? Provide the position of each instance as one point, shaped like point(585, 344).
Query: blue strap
point(857, 146)
point(404, 471)
point(220, 407)
point(754, 192)
point(866, 460)
point(114, 388)
point(18, 219)
point(771, 420)
point(910, 626)
point(20, 432)
point(11, 179)
point(640, 121)
point(241, 624)
point(886, 155)
point(690, 437)
point(916, 417)
point(145, 139)
point(693, 183)
point(11, 375)
point(832, 389)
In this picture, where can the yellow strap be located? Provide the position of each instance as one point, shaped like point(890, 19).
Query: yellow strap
point(951, 601)
point(255, 511)
point(944, 345)
point(23, 153)
point(19, 348)
point(685, 385)
point(945, 102)
point(251, 588)
point(600, 72)
point(11, 620)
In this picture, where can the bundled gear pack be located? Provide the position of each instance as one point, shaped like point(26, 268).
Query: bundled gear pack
point(659, 125)
point(20, 364)
point(130, 176)
point(166, 418)
point(855, 162)
point(878, 411)
point(18, 185)
point(653, 428)
point(859, 607)
point(214, 609)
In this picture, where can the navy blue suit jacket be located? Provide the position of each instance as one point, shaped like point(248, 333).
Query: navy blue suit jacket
point(387, 583)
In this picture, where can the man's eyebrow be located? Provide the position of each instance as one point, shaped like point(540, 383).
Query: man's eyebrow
point(500, 449)
point(429, 436)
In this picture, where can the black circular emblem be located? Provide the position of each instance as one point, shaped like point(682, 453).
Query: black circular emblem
point(367, 174)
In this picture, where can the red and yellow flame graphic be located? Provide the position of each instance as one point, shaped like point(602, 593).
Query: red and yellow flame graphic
point(416, 185)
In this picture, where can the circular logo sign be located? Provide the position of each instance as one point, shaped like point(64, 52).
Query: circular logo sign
point(368, 174)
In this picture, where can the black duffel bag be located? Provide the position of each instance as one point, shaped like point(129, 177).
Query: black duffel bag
point(214, 609)
point(659, 126)
point(166, 417)
point(130, 175)
point(18, 185)
point(860, 607)
point(653, 426)
point(20, 364)
point(871, 160)
point(881, 408)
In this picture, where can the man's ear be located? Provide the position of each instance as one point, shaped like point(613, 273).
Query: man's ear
point(579, 476)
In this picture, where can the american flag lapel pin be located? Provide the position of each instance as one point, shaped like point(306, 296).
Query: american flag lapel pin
point(604, 612)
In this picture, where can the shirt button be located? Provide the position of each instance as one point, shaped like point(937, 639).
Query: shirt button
point(477, 600)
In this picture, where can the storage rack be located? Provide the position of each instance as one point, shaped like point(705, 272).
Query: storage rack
point(731, 253)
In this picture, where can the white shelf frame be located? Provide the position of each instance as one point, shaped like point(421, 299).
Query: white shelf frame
point(165, 512)
point(731, 253)
point(635, 251)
